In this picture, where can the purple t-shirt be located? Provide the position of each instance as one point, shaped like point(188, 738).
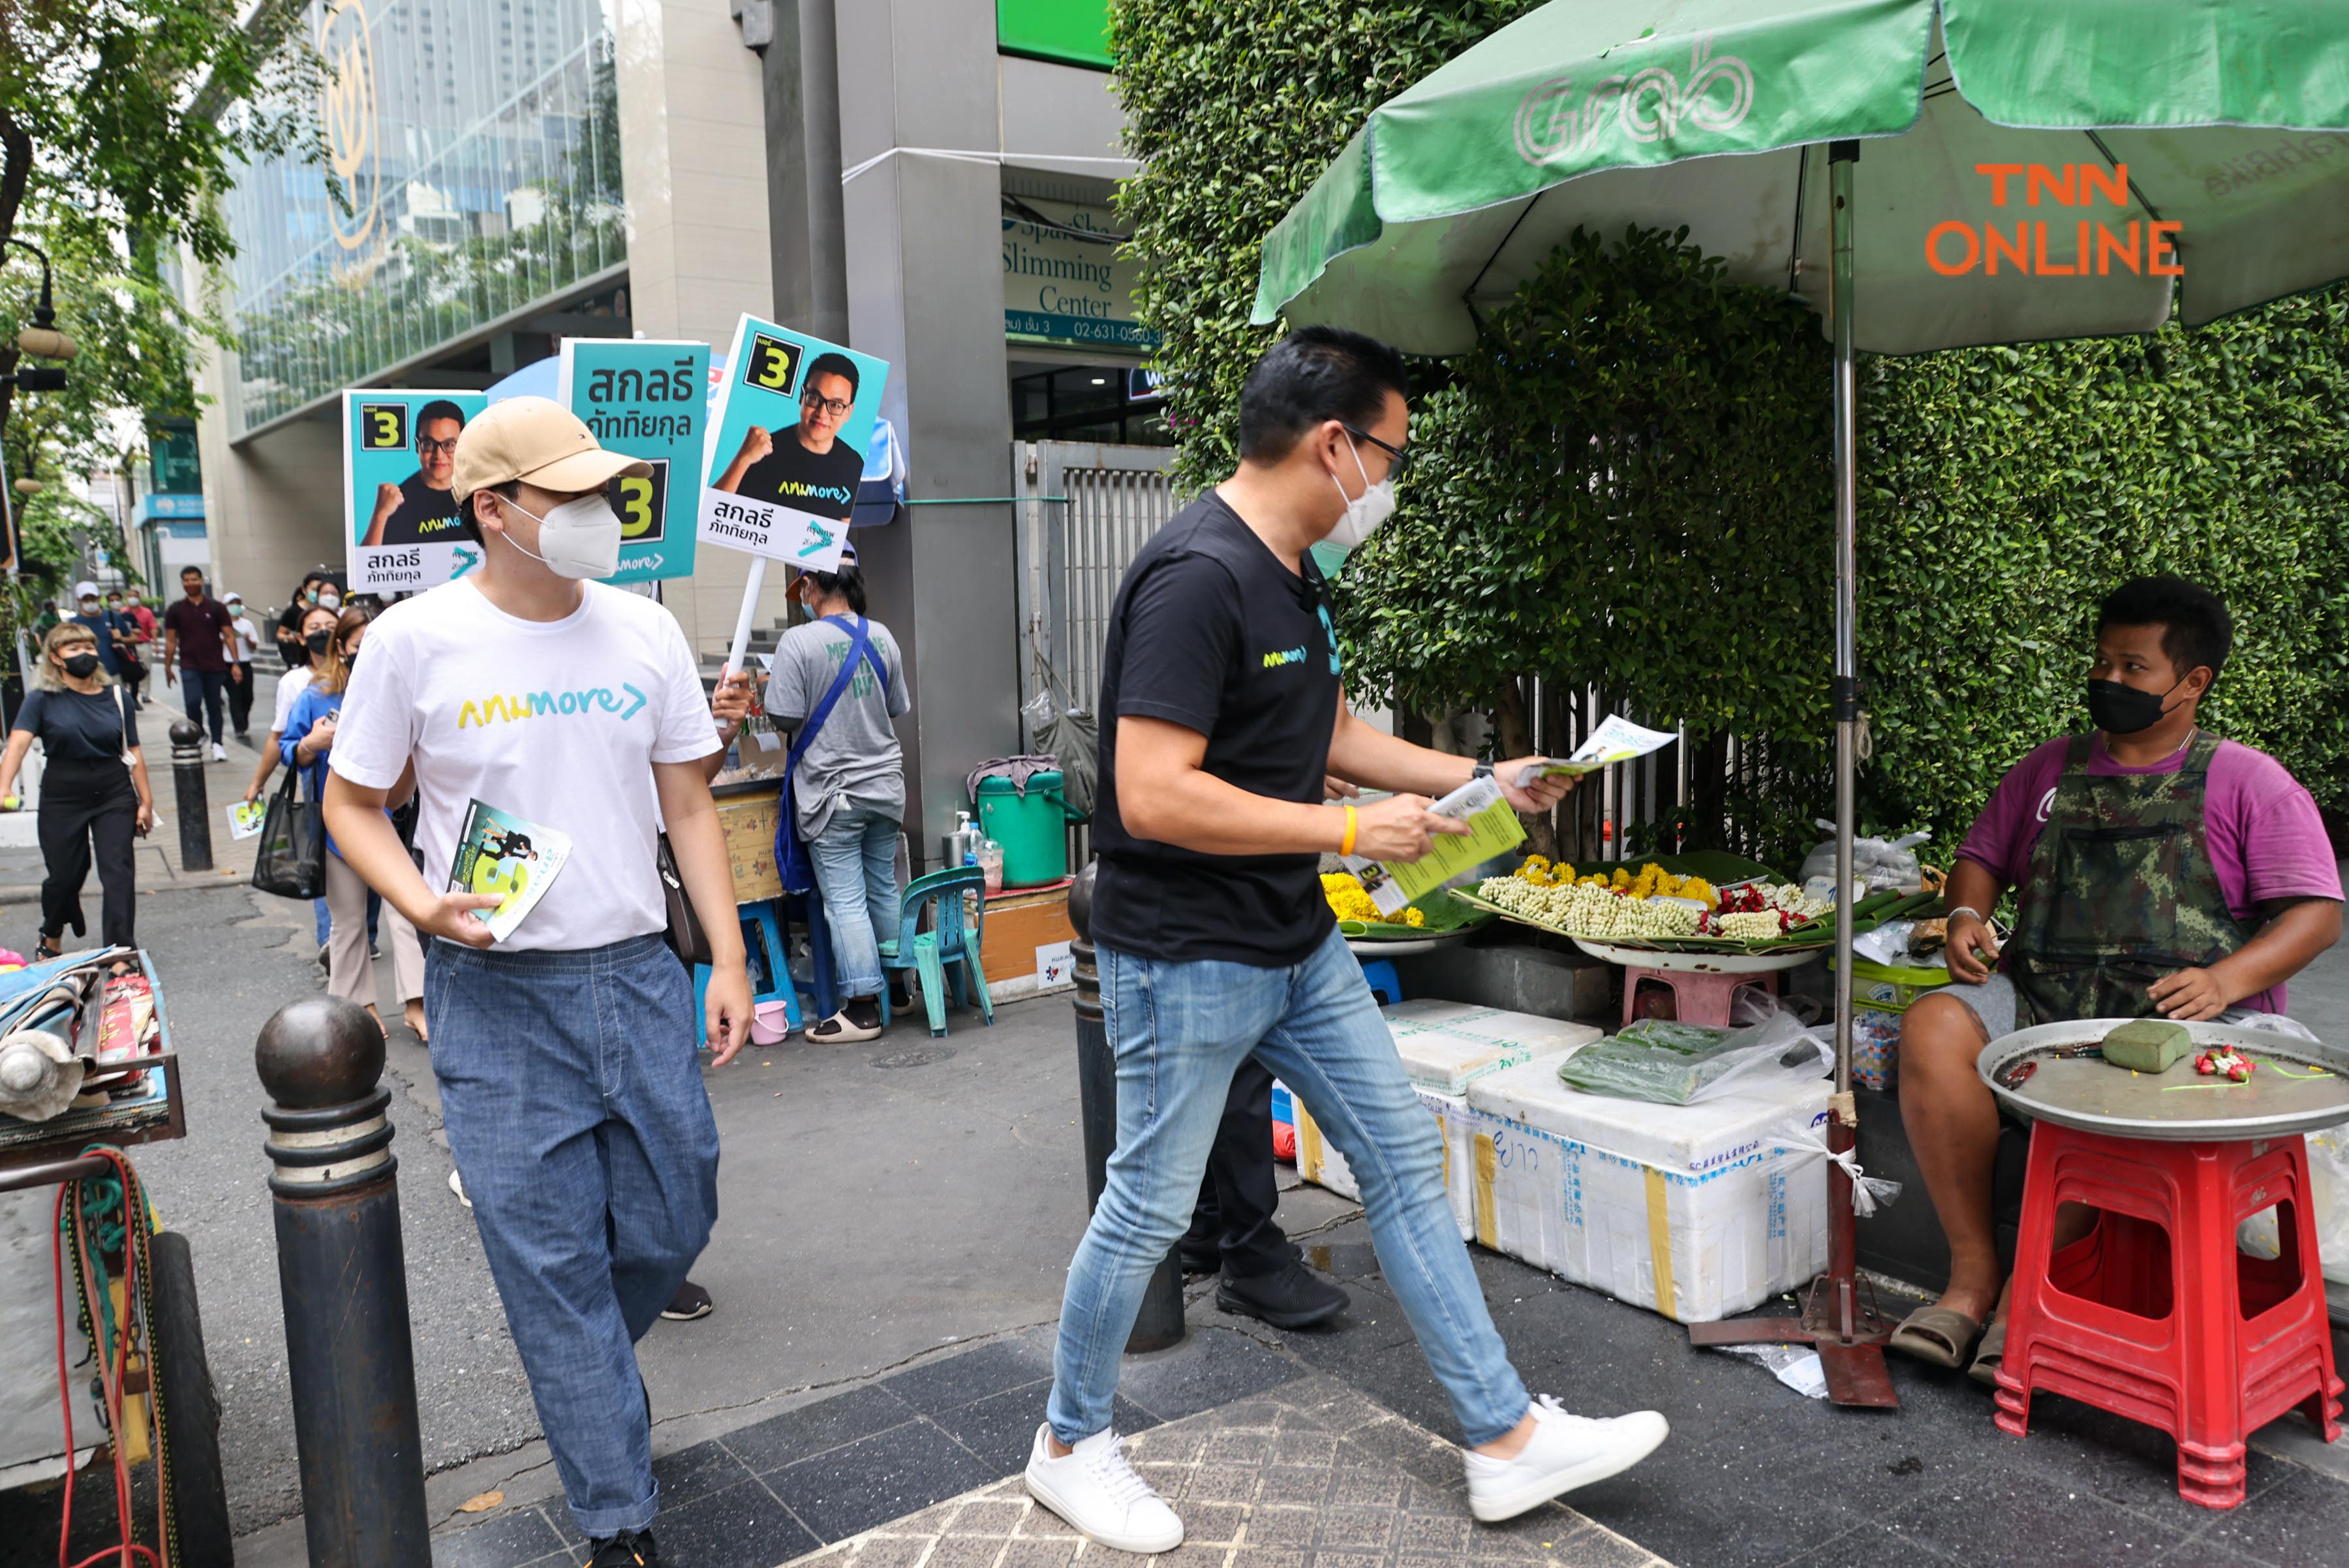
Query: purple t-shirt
point(2267, 841)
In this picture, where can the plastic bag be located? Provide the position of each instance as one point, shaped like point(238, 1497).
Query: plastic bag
point(1879, 863)
point(1071, 735)
point(1672, 1064)
point(2328, 1196)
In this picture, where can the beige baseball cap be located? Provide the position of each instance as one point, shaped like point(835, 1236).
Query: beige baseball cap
point(538, 442)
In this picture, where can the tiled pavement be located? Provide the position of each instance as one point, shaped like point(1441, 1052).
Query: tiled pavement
point(1308, 1472)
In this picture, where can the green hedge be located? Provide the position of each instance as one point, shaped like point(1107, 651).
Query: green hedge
point(2001, 491)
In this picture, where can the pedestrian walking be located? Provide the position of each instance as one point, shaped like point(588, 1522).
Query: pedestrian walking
point(314, 629)
point(1224, 714)
point(105, 626)
point(569, 1083)
point(240, 687)
point(837, 683)
point(138, 627)
point(308, 741)
point(315, 591)
point(94, 794)
point(199, 652)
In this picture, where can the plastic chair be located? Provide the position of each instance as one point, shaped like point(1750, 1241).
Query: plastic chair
point(769, 966)
point(933, 952)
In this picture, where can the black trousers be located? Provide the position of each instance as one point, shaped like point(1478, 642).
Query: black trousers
point(87, 805)
point(202, 691)
point(240, 700)
point(1237, 1197)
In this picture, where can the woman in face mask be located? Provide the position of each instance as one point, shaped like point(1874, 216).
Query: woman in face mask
point(311, 632)
point(305, 742)
point(94, 793)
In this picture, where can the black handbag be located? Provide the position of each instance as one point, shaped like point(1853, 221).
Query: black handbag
point(291, 861)
point(687, 938)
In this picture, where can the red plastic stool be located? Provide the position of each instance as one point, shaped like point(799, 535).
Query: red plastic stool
point(2155, 1315)
point(1697, 998)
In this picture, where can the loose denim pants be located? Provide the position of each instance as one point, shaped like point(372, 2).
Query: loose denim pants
point(1179, 1031)
point(574, 1103)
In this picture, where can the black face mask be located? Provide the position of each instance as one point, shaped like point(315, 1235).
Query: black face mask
point(350, 662)
point(317, 641)
point(2119, 710)
point(81, 666)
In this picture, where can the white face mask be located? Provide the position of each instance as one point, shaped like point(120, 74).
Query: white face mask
point(330, 601)
point(1365, 511)
point(580, 538)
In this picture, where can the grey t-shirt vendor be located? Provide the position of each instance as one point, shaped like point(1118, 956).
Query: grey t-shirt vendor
point(855, 756)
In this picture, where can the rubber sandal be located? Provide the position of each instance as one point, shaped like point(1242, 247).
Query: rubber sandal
point(1937, 1335)
point(1989, 1354)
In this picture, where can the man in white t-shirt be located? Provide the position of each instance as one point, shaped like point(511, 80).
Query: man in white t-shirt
point(569, 1084)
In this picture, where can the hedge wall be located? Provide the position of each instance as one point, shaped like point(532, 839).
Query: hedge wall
point(2001, 491)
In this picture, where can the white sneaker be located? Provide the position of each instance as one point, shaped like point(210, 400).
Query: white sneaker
point(1098, 1493)
point(218, 754)
point(457, 1185)
point(1564, 1452)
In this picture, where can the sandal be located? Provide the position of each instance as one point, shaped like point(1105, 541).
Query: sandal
point(45, 950)
point(1939, 1335)
point(1989, 1354)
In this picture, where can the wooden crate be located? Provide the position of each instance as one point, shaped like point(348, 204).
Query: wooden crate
point(749, 821)
point(1018, 923)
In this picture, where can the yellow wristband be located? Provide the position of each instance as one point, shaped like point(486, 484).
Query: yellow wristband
point(1346, 845)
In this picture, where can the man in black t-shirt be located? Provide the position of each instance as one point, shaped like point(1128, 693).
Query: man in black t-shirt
point(806, 466)
point(421, 509)
point(1223, 713)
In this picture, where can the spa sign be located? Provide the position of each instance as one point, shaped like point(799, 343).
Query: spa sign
point(648, 400)
point(1059, 287)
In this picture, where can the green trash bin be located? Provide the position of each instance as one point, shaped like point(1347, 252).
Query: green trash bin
point(1032, 828)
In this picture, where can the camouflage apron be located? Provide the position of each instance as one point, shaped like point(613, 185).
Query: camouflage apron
point(2121, 891)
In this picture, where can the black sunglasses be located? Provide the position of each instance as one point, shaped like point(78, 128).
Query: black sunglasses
point(1401, 454)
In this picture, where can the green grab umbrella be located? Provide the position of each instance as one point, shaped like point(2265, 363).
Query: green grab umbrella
point(2036, 168)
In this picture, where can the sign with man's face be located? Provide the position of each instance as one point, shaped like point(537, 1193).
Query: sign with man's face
point(402, 526)
point(794, 422)
point(650, 400)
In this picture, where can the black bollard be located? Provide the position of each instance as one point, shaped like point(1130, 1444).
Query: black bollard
point(1160, 1322)
point(187, 789)
point(343, 1277)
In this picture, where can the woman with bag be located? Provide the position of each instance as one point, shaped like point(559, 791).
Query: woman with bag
point(93, 786)
point(314, 628)
point(307, 740)
point(837, 683)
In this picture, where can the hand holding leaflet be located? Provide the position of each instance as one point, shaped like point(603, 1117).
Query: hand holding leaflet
point(1616, 740)
point(1493, 829)
point(499, 853)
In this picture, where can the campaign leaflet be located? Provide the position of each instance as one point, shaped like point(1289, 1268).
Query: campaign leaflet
point(1493, 829)
point(498, 852)
point(648, 400)
point(245, 817)
point(791, 427)
point(1617, 740)
point(402, 529)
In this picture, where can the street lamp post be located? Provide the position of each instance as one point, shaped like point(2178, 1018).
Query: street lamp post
point(41, 340)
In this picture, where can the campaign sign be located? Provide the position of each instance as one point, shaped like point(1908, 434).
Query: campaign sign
point(647, 400)
point(794, 422)
point(401, 519)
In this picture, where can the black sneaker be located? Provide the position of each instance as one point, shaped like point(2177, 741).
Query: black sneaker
point(901, 995)
point(691, 1302)
point(1200, 1256)
point(629, 1549)
point(1291, 1298)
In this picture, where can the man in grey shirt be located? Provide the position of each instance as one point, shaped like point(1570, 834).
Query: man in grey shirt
point(850, 782)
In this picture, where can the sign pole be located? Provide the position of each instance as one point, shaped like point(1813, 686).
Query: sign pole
point(758, 579)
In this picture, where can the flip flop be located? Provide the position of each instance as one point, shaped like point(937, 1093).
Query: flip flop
point(1939, 1335)
point(1989, 1354)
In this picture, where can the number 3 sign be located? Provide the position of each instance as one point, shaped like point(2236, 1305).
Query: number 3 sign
point(651, 401)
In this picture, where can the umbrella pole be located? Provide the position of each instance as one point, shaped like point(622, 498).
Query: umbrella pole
point(1848, 1333)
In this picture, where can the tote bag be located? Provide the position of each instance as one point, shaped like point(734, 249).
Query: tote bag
point(291, 858)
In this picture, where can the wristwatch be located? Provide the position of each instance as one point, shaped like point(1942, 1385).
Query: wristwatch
point(1481, 771)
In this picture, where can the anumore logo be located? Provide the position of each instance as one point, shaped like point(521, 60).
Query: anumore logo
point(1285, 656)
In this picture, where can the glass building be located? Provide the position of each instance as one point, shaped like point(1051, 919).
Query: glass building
point(472, 170)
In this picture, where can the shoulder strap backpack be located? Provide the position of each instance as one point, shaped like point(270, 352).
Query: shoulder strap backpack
point(791, 863)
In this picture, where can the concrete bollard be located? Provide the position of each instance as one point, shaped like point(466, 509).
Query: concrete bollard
point(1160, 1322)
point(343, 1277)
point(188, 790)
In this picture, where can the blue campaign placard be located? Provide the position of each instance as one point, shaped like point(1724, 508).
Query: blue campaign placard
point(400, 520)
point(648, 400)
point(794, 420)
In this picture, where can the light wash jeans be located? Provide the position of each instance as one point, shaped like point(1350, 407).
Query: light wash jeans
point(572, 1100)
point(1179, 1031)
point(856, 861)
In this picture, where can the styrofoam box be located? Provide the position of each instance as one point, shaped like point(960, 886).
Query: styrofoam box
point(1695, 1211)
point(1447, 1046)
point(1318, 1161)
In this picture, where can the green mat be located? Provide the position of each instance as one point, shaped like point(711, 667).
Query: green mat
point(1444, 912)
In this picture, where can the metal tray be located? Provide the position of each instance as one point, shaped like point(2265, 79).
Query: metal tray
point(2310, 1093)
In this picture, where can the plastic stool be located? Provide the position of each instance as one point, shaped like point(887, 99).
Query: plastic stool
point(1385, 983)
point(1704, 999)
point(2154, 1315)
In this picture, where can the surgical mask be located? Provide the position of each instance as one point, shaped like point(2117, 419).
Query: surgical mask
point(317, 641)
point(89, 607)
point(81, 666)
point(2119, 710)
point(581, 538)
point(1365, 511)
point(330, 601)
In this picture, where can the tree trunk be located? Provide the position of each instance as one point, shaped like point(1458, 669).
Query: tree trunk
point(1517, 741)
point(16, 169)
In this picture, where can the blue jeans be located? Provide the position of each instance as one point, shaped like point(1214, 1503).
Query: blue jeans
point(202, 691)
point(573, 1104)
point(856, 861)
point(1179, 1031)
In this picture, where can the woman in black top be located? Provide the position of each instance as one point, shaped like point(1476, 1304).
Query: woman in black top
point(88, 796)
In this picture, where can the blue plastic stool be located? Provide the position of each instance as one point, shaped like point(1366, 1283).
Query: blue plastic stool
point(770, 971)
point(1385, 983)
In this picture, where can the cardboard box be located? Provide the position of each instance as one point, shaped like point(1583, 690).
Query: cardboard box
point(1018, 921)
point(749, 821)
point(1318, 1161)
